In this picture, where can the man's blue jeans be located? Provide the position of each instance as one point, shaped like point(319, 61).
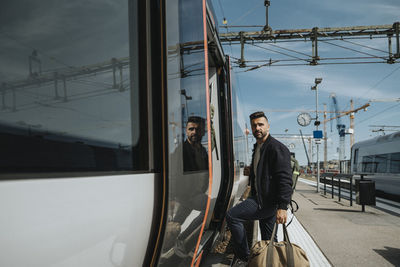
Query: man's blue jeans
point(248, 211)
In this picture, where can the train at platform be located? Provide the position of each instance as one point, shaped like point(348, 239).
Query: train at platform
point(378, 159)
point(122, 136)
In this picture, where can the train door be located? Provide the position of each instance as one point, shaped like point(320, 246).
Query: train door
point(193, 132)
point(225, 147)
point(215, 138)
point(187, 142)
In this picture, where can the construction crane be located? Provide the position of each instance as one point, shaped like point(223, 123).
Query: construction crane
point(351, 113)
point(340, 127)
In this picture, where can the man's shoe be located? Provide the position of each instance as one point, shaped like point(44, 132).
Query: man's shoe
point(239, 263)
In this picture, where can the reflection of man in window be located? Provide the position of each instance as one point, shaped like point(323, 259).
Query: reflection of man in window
point(191, 188)
point(194, 154)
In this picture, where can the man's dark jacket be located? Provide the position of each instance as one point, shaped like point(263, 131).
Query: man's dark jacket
point(274, 175)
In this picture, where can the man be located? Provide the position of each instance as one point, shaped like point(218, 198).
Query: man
point(295, 169)
point(191, 188)
point(271, 188)
point(195, 156)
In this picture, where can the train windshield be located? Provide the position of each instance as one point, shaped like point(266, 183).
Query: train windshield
point(68, 73)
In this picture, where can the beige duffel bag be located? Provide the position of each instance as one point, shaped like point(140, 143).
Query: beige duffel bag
point(277, 254)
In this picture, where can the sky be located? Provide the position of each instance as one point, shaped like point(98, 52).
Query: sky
point(289, 87)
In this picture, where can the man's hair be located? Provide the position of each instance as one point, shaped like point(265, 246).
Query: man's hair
point(257, 114)
point(197, 119)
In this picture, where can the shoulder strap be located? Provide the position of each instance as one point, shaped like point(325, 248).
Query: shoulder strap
point(270, 248)
point(289, 248)
point(293, 210)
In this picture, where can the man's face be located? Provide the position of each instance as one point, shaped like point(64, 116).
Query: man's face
point(193, 132)
point(260, 128)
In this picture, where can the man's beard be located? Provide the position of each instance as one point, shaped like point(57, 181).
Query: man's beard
point(194, 139)
point(259, 137)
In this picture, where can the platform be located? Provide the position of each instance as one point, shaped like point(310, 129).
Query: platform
point(334, 233)
point(347, 236)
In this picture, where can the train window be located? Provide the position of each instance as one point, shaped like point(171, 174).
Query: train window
point(239, 132)
point(355, 156)
point(68, 78)
point(395, 163)
point(381, 163)
point(355, 161)
point(368, 164)
point(186, 91)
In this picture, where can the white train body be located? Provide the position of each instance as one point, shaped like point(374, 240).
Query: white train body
point(95, 98)
point(379, 158)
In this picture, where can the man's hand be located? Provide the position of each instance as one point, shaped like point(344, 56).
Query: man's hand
point(246, 171)
point(281, 216)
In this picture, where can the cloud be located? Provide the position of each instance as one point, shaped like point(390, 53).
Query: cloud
point(384, 9)
point(377, 12)
point(341, 83)
point(286, 115)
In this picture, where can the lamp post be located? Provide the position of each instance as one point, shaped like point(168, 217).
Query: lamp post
point(317, 123)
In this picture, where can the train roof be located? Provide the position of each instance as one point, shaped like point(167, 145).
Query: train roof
point(379, 139)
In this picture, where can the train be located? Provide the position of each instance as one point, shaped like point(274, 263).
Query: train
point(378, 159)
point(123, 140)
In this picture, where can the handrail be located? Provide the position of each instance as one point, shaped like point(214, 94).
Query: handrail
point(339, 177)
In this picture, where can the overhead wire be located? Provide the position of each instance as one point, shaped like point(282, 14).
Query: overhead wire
point(354, 50)
point(291, 50)
point(346, 40)
point(365, 46)
point(321, 59)
point(37, 50)
point(304, 64)
point(278, 52)
point(242, 26)
point(105, 89)
point(380, 81)
point(302, 40)
point(225, 26)
point(93, 83)
point(34, 105)
point(294, 58)
point(246, 14)
point(376, 114)
point(332, 39)
point(308, 60)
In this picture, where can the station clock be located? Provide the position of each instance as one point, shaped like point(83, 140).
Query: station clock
point(304, 119)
